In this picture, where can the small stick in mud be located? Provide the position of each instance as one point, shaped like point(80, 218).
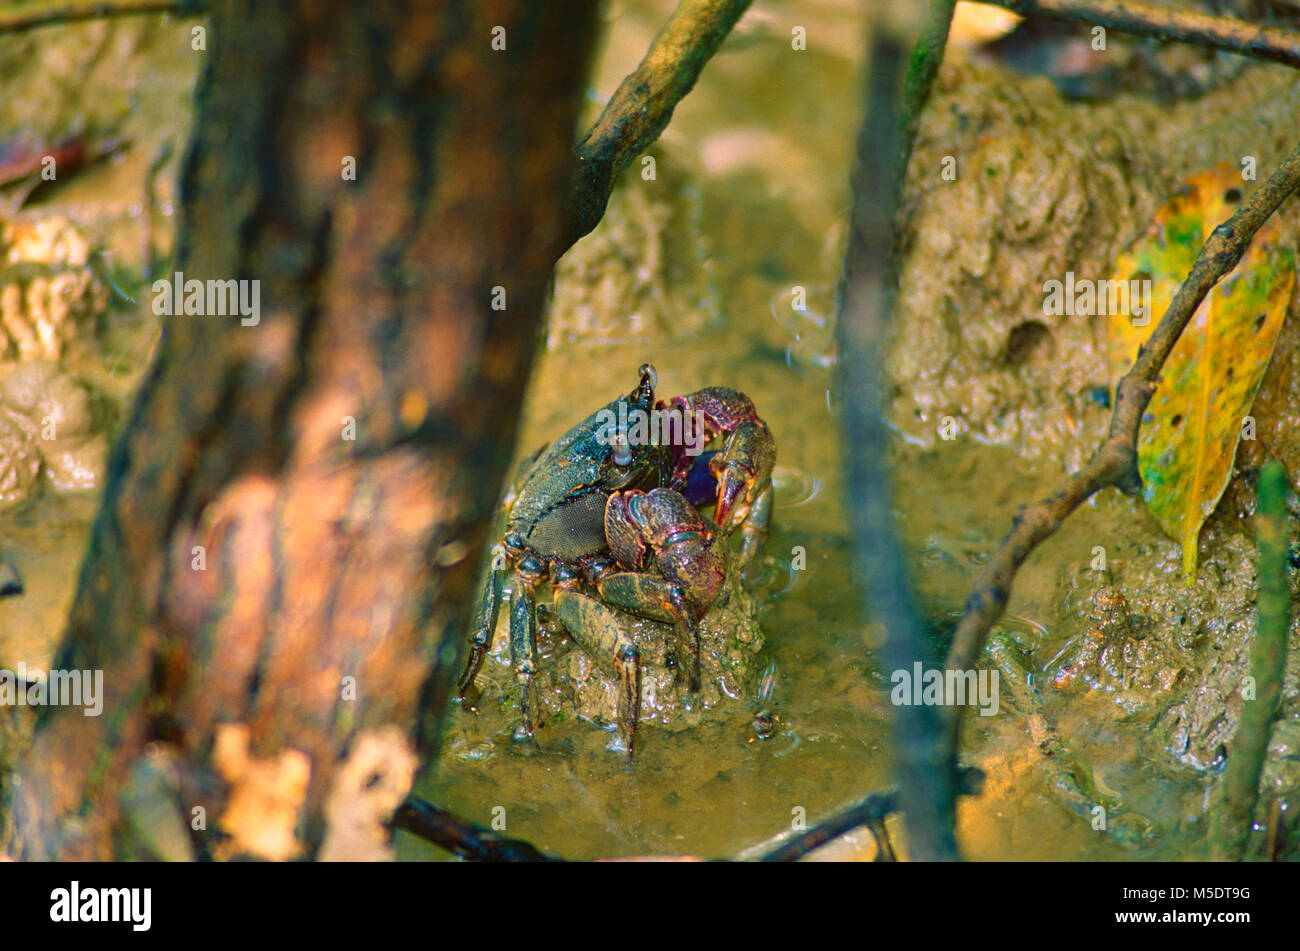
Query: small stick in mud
point(459, 837)
point(476, 844)
point(1187, 26)
point(22, 17)
point(868, 811)
point(22, 159)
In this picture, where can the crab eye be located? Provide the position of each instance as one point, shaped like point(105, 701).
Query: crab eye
point(647, 371)
point(620, 450)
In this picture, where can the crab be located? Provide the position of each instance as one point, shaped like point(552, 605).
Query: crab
point(609, 515)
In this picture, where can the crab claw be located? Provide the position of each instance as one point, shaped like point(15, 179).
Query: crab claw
point(733, 487)
point(743, 470)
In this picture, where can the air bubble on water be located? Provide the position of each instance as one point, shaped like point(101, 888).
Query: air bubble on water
point(794, 487)
point(480, 753)
point(810, 340)
point(792, 743)
point(1028, 634)
point(772, 578)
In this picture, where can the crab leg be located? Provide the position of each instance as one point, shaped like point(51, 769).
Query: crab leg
point(658, 600)
point(660, 529)
point(523, 644)
point(487, 607)
point(753, 529)
point(600, 632)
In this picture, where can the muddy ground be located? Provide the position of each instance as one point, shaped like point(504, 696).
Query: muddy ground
point(696, 270)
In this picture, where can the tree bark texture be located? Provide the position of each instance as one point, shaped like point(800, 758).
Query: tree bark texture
point(323, 558)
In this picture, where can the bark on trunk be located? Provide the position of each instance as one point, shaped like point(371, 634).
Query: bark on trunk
point(249, 557)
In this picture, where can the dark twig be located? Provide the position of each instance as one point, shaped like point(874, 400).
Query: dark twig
point(477, 844)
point(1187, 26)
point(922, 68)
point(1240, 786)
point(22, 18)
point(1115, 461)
point(868, 811)
point(884, 845)
point(644, 102)
point(460, 837)
point(923, 763)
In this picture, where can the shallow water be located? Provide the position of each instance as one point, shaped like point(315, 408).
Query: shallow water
point(762, 152)
point(696, 275)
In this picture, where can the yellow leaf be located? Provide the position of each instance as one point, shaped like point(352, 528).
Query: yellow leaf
point(1189, 434)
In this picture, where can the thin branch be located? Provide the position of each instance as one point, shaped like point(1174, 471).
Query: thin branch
point(1240, 786)
point(869, 811)
point(1187, 26)
point(21, 18)
point(644, 102)
point(924, 764)
point(459, 837)
point(473, 842)
point(922, 68)
point(1115, 461)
